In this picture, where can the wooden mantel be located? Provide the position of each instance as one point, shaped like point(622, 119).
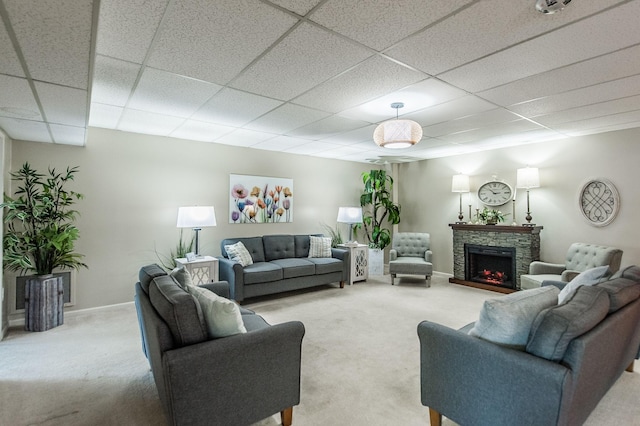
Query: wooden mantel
point(525, 239)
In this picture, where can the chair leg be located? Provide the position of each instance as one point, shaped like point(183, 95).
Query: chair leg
point(341, 284)
point(435, 418)
point(428, 280)
point(286, 416)
point(392, 277)
point(630, 367)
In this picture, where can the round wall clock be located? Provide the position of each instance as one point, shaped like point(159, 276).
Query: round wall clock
point(599, 201)
point(495, 193)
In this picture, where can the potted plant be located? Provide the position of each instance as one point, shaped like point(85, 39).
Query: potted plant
point(378, 209)
point(491, 216)
point(39, 238)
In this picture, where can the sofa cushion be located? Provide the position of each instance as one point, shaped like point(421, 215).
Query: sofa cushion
point(252, 244)
point(278, 247)
point(327, 265)
point(621, 291)
point(631, 272)
point(239, 253)
point(222, 316)
point(179, 310)
point(319, 246)
point(254, 322)
point(182, 276)
point(262, 272)
point(507, 320)
point(589, 277)
point(555, 327)
point(302, 244)
point(147, 274)
point(294, 267)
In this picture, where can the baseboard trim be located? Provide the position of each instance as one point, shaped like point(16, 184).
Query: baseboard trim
point(69, 314)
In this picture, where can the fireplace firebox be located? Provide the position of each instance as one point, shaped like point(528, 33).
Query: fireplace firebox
point(490, 265)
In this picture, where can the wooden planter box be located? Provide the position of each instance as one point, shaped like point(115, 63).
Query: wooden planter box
point(44, 302)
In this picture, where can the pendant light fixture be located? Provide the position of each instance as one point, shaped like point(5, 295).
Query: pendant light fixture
point(397, 133)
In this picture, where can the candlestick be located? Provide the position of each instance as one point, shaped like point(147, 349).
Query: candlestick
point(470, 219)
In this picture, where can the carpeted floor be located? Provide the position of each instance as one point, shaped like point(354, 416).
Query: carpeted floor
point(360, 360)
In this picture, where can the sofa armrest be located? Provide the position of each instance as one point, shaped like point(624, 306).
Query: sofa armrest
point(259, 369)
point(569, 274)
point(428, 255)
point(345, 256)
point(221, 288)
point(468, 380)
point(233, 273)
point(538, 268)
point(393, 254)
point(559, 284)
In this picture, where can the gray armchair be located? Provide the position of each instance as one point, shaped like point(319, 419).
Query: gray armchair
point(411, 254)
point(235, 380)
point(579, 258)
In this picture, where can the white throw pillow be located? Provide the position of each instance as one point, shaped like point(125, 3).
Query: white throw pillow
point(239, 253)
point(221, 315)
point(182, 276)
point(319, 246)
point(589, 277)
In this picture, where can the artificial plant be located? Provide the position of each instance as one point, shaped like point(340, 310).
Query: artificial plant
point(378, 208)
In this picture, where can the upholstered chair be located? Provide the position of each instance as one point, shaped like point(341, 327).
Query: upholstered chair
point(411, 254)
point(579, 258)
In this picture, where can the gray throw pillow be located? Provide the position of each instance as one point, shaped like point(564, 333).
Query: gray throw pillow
point(589, 277)
point(554, 328)
point(621, 291)
point(507, 320)
point(182, 276)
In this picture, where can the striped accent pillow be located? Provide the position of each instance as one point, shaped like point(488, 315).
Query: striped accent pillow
point(239, 253)
point(319, 246)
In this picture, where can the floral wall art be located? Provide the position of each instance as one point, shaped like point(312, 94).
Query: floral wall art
point(260, 199)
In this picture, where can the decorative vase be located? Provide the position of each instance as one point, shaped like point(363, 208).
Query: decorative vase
point(43, 304)
point(376, 261)
point(492, 221)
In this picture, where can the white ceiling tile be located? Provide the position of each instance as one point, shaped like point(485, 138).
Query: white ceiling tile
point(327, 127)
point(311, 148)
point(601, 109)
point(201, 131)
point(106, 116)
point(286, 118)
point(585, 39)
point(244, 137)
point(593, 124)
point(148, 123)
point(459, 107)
point(63, 105)
point(301, 7)
point(502, 129)
point(340, 151)
point(620, 64)
point(306, 57)
point(68, 135)
point(474, 121)
point(215, 40)
point(55, 38)
point(362, 134)
point(113, 81)
point(10, 63)
point(25, 130)
point(127, 27)
point(235, 108)
point(370, 79)
point(350, 18)
point(579, 131)
point(171, 94)
point(16, 99)
point(281, 143)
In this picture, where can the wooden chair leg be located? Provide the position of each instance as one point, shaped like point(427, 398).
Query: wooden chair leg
point(392, 277)
point(286, 416)
point(435, 418)
point(630, 367)
point(341, 284)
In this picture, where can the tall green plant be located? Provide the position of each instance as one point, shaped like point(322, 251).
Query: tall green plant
point(378, 208)
point(40, 233)
point(181, 249)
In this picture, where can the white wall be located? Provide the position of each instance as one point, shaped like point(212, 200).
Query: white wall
point(428, 204)
point(133, 185)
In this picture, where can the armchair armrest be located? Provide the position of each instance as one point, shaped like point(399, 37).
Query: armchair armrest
point(259, 369)
point(538, 268)
point(428, 255)
point(467, 379)
point(393, 254)
point(569, 274)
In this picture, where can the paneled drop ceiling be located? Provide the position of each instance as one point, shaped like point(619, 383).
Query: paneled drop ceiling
point(315, 77)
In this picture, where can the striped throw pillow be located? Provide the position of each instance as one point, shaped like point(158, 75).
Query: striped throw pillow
point(239, 253)
point(319, 246)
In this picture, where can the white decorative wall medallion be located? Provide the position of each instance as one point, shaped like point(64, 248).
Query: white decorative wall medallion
point(599, 201)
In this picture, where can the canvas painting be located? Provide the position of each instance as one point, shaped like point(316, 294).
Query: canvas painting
point(260, 199)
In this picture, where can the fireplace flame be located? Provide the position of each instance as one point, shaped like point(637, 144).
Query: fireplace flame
point(492, 277)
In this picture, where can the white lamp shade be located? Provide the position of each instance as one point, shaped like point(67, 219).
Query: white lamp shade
point(397, 134)
point(196, 217)
point(350, 214)
point(528, 177)
point(460, 183)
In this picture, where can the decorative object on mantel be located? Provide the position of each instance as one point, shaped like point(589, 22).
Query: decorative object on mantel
point(351, 216)
point(495, 192)
point(513, 208)
point(397, 133)
point(528, 178)
point(460, 184)
point(599, 201)
point(492, 216)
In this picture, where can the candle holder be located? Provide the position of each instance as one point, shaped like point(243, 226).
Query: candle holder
point(470, 217)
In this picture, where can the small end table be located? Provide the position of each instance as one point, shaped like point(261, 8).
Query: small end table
point(203, 270)
point(359, 254)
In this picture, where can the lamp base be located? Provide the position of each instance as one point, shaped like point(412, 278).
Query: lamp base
point(528, 224)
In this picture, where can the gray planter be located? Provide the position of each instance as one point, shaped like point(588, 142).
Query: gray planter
point(44, 301)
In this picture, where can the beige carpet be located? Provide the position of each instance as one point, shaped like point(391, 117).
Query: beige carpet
point(360, 360)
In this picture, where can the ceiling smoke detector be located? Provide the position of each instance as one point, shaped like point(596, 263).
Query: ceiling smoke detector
point(551, 6)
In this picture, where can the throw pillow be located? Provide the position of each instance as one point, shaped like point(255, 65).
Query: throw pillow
point(221, 316)
point(589, 277)
point(319, 246)
point(239, 253)
point(182, 276)
point(507, 320)
point(554, 328)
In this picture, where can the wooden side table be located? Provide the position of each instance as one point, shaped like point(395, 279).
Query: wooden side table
point(359, 254)
point(203, 270)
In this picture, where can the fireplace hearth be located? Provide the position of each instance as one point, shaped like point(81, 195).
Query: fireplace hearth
point(490, 265)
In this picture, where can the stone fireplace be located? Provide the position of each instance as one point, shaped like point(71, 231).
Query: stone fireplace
point(493, 256)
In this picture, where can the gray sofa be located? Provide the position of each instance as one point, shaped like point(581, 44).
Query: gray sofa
point(234, 380)
point(280, 263)
point(557, 379)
